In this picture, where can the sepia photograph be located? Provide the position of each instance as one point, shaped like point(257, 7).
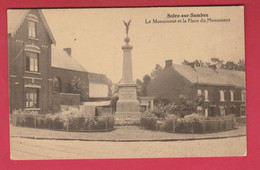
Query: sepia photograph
point(146, 82)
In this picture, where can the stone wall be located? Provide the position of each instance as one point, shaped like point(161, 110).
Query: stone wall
point(64, 99)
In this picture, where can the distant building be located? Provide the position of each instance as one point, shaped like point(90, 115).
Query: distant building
point(39, 75)
point(223, 90)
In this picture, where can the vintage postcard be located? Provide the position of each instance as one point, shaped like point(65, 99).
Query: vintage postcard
point(90, 83)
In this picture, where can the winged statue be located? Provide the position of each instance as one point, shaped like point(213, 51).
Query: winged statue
point(127, 26)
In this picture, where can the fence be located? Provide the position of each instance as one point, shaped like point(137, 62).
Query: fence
point(127, 119)
point(180, 126)
point(54, 122)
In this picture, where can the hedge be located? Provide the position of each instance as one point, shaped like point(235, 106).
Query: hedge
point(189, 124)
point(69, 122)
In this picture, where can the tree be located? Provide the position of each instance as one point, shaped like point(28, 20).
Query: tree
point(217, 63)
point(142, 85)
point(156, 71)
point(79, 87)
point(241, 65)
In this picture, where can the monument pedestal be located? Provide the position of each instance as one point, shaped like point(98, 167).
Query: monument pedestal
point(127, 99)
point(128, 107)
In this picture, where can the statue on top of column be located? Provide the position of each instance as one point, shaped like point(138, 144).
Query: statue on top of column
point(127, 26)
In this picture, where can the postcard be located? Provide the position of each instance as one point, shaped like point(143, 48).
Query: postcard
point(151, 82)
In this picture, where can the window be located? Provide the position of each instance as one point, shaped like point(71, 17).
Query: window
point(206, 95)
point(31, 97)
point(231, 95)
point(206, 112)
point(32, 62)
point(32, 29)
point(222, 110)
point(242, 110)
point(199, 92)
point(222, 95)
point(243, 95)
point(56, 84)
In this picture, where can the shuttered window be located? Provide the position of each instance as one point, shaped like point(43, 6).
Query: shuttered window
point(32, 29)
point(31, 97)
point(32, 61)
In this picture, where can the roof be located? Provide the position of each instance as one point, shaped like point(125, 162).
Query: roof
point(97, 78)
point(16, 18)
point(61, 59)
point(201, 75)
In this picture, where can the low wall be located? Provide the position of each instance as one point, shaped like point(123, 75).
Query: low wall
point(69, 99)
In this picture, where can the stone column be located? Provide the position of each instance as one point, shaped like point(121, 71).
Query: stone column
point(127, 104)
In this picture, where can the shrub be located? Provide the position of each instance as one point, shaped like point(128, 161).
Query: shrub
point(190, 124)
point(42, 121)
point(149, 122)
point(24, 118)
point(70, 120)
point(168, 125)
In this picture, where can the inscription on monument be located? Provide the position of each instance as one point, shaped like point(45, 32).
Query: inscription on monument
point(129, 93)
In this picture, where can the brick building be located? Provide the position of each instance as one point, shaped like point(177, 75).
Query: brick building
point(35, 67)
point(223, 90)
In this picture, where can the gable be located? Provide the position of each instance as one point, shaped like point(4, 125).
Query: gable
point(16, 18)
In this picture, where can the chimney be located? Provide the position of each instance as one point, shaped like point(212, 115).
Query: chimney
point(68, 51)
point(168, 63)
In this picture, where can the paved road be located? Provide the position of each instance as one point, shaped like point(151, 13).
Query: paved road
point(25, 149)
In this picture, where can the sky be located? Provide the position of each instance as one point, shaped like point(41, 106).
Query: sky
point(96, 36)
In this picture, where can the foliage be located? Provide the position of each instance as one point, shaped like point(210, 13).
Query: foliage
point(221, 64)
point(193, 123)
point(142, 85)
point(148, 123)
point(79, 87)
point(190, 124)
point(112, 88)
point(156, 71)
point(69, 120)
point(159, 111)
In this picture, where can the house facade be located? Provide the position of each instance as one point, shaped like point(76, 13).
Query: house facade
point(223, 90)
point(40, 75)
point(29, 52)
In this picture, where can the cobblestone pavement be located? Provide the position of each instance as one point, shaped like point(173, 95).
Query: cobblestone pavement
point(123, 133)
point(24, 149)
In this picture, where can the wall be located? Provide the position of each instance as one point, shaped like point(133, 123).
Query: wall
point(98, 90)
point(66, 76)
point(64, 99)
point(169, 85)
point(17, 74)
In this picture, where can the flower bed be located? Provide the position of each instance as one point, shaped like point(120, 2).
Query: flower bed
point(70, 120)
point(193, 123)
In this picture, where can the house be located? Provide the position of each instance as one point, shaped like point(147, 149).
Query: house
point(29, 52)
point(223, 90)
point(40, 75)
point(65, 69)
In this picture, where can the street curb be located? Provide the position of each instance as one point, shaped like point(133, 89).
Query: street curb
point(131, 140)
